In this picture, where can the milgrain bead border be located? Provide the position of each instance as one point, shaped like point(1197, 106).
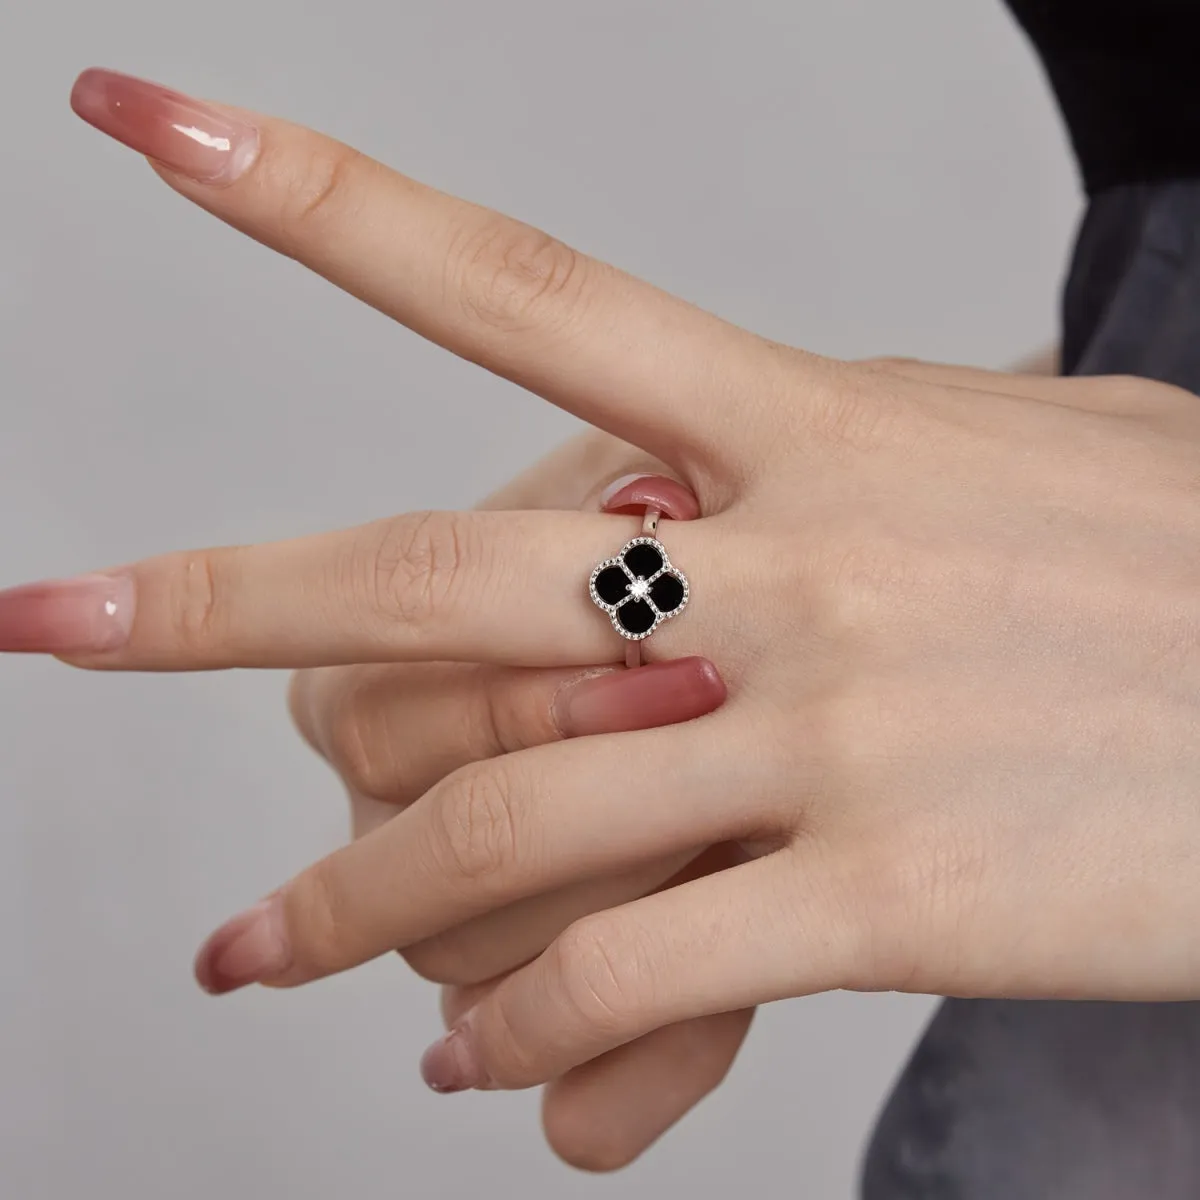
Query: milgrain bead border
point(618, 560)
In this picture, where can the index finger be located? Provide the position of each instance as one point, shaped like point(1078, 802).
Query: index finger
point(609, 348)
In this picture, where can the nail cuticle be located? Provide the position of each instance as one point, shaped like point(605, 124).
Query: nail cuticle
point(560, 702)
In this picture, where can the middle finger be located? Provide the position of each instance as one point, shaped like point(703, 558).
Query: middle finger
point(500, 587)
point(392, 731)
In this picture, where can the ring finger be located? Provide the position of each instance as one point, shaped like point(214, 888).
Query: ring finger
point(505, 587)
point(489, 835)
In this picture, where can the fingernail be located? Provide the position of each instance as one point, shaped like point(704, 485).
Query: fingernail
point(643, 698)
point(88, 614)
point(450, 1065)
point(252, 948)
point(639, 492)
point(183, 134)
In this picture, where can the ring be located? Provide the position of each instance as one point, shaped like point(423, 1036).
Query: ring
point(639, 588)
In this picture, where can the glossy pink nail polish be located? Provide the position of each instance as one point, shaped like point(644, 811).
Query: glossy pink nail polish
point(185, 135)
point(251, 948)
point(450, 1065)
point(636, 493)
point(643, 698)
point(90, 614)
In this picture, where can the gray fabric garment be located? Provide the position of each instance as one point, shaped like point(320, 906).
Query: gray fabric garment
point(1025, 1100)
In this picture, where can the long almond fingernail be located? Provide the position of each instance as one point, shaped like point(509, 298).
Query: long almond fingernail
point(89, 614)
point(185, 135)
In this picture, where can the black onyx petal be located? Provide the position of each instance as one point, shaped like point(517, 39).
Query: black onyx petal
point(643, 560)
point(636, 616)
point(667, 593)
point(611, 585)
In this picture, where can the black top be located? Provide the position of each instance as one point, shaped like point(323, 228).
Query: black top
point(1127, 76)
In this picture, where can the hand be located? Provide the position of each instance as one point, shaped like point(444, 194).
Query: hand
point(956, 613)
point(393, 730)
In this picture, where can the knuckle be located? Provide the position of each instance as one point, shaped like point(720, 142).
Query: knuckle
point(855, 414)
point(317, 925)
point(710, 1060)
point(322, 191)
point(478, 832)
point(299, 704)
point(356, 752)
point(309, 710)
point(713, 1066)
point(512, 277)
point(896, 364)
point(573, 1133)
point(840, 739)
point(455, 1002)
point(695, 1054)
point(863, 582)
point(513, 1053)
point(341, 714)
point(597, 992)
point(1137, 396)
point(510, 713)
point(862, 408)
point(413, 565)
point(915, 892)
point(485, 728)
point(443, 959)
point(198, 600)
point(1133, 386)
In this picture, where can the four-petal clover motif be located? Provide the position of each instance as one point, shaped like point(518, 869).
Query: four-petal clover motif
point(639, 588)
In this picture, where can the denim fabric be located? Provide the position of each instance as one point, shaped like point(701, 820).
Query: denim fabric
point(1053, 1100)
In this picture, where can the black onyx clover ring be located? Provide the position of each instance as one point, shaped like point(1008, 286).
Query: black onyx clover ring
point(639, 588)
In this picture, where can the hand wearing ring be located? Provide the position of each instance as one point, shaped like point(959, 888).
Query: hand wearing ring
point(959, 748)
point(389, 732)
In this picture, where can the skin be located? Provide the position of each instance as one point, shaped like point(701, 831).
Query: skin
point(386, 731)
point(955, 611)
point(603, 1114)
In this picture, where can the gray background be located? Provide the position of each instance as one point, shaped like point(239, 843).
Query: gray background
point(856, 176)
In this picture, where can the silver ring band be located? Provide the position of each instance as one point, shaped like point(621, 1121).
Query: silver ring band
point(633, 650)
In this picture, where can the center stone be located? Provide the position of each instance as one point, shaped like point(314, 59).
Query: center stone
point(639, 589)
